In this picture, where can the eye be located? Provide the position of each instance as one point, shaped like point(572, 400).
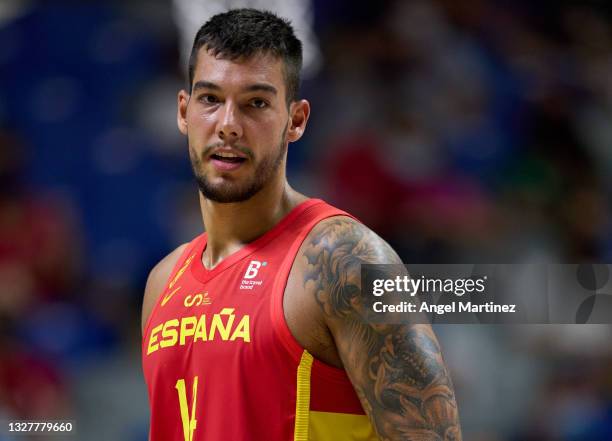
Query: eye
point(208, 99)
point(258, 103)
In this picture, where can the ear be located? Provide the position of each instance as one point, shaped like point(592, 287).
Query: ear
point(181, 113)
point(299, 111)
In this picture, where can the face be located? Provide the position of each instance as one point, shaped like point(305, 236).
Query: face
point(238, 125)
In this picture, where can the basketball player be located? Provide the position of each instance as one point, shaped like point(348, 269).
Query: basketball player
point(256, 329)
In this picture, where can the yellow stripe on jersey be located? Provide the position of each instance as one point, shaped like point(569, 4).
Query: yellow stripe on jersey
point(334, 426)
point(325, 426)
point(302, 402)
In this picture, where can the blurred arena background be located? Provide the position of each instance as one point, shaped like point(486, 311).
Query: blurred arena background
point(461, 131)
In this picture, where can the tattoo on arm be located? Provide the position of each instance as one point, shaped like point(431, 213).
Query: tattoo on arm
point(397, 370)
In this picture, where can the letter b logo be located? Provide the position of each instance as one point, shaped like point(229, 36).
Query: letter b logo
point(252, 270)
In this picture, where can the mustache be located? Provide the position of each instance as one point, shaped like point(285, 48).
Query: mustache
point(242, 149)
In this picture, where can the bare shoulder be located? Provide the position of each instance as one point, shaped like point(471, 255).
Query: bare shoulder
point(330, 249)
point(334, 251)
point(351, 235)
point(158, 277)
point(397, 369)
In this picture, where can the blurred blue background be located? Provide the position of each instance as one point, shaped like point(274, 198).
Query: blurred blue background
point(471, 131)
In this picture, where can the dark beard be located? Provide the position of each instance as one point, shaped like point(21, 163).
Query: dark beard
point(229, 192)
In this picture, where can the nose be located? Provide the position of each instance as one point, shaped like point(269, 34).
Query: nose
point(228, 127)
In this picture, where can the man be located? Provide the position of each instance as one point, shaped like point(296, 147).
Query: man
point(256, 329)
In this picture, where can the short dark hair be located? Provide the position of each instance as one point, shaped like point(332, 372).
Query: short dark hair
point(242, 33)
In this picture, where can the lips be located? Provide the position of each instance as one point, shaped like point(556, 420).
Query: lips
point(227, 158)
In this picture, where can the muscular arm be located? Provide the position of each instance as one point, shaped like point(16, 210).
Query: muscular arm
point(397, 370)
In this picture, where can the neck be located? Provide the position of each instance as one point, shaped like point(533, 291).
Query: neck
point(231, 226)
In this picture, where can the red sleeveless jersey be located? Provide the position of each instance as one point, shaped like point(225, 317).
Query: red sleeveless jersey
point(220, 362)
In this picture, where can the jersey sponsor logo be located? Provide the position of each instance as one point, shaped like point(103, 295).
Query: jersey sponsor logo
point(198, 299)
point(224, 325)
point(253, 269)
point(248, 280)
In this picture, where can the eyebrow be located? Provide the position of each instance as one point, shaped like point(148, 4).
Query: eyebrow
point(263, 87)
point(205, 85)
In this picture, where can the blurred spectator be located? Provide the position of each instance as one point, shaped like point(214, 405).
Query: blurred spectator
point(39, 241)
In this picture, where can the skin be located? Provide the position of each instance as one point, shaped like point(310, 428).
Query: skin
point(397, 370)
point(231, 113)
